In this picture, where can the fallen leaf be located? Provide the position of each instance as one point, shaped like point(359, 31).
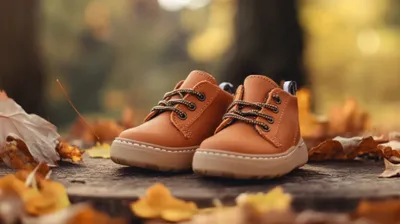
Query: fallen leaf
point(341, 148)
point(12, 185)
point(391, 151)
point(387, 211)
point(99, 151)
point(67, 151)
point(40, 196)
point(231, 215)
point(274, 200)
point(15, 154)
point(39, 135)
point(159, 203)
point(53, 197)
point(391, 169)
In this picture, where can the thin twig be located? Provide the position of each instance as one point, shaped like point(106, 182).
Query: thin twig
point(79, 114)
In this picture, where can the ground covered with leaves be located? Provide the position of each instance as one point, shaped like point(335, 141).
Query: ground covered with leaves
point(36, 192)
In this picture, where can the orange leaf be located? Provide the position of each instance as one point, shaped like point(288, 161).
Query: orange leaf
point(67, 151)
point(52, 197)
point(16, 155)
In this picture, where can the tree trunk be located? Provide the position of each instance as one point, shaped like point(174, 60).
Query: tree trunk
point(268, 41)
point(21, 72)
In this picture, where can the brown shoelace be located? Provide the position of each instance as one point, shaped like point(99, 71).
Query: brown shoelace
point(169, 105)
point(243, 115)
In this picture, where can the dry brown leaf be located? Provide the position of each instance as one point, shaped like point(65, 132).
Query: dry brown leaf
point(68, 151)
point(391, 169)
point(386, 212)
point(15, 154)
point(391, 151)
point(341, 148)
point(38, 134)
point(159, 203)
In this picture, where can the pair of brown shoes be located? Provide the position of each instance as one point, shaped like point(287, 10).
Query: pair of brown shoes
point(254, 134)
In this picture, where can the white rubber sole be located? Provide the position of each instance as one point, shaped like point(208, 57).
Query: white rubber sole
point(139, 154)
point(209, 162)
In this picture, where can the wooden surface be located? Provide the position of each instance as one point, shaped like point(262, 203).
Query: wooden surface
point(327, 186)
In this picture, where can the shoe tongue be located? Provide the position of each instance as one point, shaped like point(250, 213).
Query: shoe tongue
point(257, 87)
point(195, 77)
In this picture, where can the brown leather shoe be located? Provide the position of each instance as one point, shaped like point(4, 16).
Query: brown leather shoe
point(175, 128)
point(259, 137)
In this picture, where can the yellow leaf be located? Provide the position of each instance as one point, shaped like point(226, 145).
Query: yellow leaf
point(274, 200)
point(99, 151)
point(159, 203)
point(53, 197)
point(10, 184)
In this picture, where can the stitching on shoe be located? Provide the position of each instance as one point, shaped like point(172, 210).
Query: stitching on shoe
point(249, 157)
point(156, 148)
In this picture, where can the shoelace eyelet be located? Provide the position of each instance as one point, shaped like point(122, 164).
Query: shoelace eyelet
point(182, 116)
point(276, 110)
point(271, 121)
point(277, 99)
point(192, 106)
point(201, 97)
point(265, 128)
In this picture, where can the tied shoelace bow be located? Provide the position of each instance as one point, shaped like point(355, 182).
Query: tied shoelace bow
point(243, 115)
point(169, 104)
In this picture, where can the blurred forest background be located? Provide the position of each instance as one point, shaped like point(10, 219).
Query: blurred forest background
point(112, 54)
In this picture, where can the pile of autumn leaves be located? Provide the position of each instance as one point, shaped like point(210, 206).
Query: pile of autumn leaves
point(345, 122)
point(30, 197)
point(27, 139)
